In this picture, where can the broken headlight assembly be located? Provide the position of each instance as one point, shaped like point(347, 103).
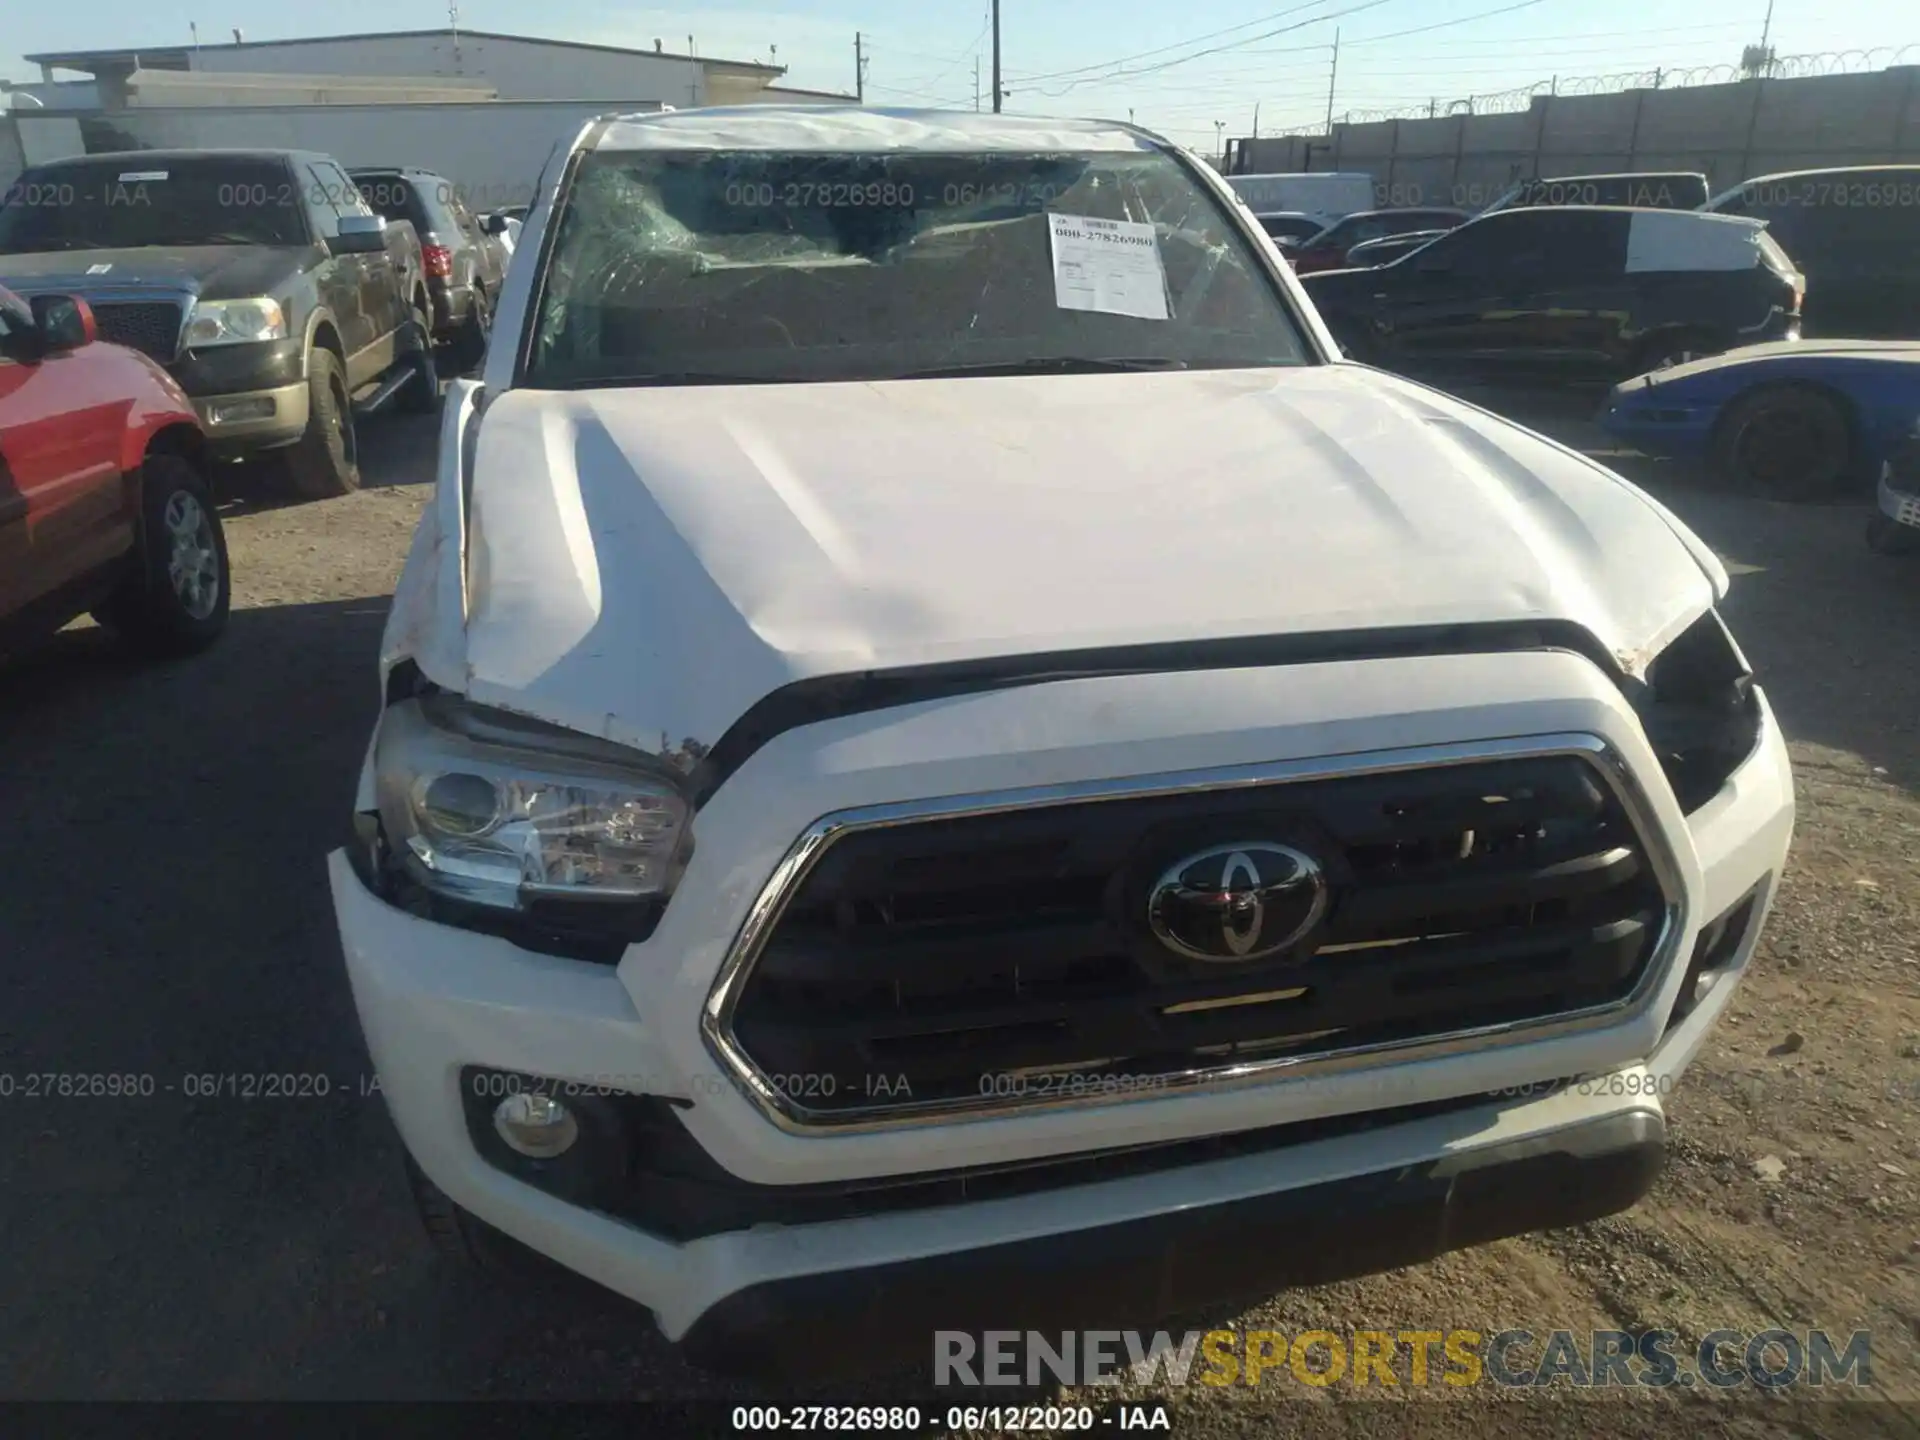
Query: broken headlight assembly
point(1699, 710)
point(494, 822)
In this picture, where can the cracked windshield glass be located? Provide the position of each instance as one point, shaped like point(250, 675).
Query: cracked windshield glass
point(792, 267)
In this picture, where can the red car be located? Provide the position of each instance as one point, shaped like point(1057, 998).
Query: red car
point(103, 496)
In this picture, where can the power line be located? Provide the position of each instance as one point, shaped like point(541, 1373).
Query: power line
point(1163, 49)
point(1218, 49)
point(1447, 24)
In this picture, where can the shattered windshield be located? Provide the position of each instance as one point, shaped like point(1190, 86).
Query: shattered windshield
point(684, 266)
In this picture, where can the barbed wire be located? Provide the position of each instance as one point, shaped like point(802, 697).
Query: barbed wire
point(1521, 97)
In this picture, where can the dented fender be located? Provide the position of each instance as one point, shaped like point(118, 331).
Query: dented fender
point(427, 623)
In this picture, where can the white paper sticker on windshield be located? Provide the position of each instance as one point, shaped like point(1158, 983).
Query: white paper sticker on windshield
point(134, 177)
point(1112, 266)
point(100, 269)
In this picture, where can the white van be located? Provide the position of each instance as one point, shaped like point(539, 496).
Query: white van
point(1329, 196)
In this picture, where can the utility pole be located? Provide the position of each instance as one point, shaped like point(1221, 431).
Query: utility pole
point(996, 57)
point(1219, 142)
point(1332, 77)
point(859, 71)
point(1766, 28)
point(976, 84)
point(1256, 119)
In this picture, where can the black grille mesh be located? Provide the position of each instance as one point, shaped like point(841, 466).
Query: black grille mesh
point(151, 327)
point(1004, 957)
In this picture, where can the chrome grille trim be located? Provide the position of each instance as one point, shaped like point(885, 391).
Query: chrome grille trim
point(765, 913)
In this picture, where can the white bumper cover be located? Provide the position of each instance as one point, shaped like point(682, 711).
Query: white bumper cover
point(434, 999)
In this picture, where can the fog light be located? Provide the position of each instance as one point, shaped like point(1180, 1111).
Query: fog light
point(226, 412)
point(537, 1126)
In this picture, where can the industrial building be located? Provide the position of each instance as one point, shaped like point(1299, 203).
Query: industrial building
point(481, 108)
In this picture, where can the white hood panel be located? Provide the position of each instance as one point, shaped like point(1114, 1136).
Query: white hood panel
point(647, 563)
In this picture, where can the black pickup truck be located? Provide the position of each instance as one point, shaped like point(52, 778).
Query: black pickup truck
point(280, 302)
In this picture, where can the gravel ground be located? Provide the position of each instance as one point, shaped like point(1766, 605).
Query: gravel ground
point(163, 912)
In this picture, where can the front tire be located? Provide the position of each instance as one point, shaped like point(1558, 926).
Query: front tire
point(422, 395)
point(470, 348)
point(323, 463)
point(177, 597)
point(1887, 536)
point(1787, 443)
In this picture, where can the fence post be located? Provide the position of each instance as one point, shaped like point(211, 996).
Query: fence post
point(1459, 151)
point(1544, 102)
point(1900, 117)
point(1753, 123)
point(1633, 139)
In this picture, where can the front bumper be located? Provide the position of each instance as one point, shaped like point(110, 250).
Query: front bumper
point(433, 1000)
point(451, 304)
point(253, 420)
point(1135, 1273)
point(248, 397)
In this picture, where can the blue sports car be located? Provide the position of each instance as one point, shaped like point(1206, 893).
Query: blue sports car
point(1794, 420)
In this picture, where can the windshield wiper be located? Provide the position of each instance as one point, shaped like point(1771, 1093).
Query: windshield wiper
point(1047, 365)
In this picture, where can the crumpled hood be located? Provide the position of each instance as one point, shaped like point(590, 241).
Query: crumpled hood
point(647, 563)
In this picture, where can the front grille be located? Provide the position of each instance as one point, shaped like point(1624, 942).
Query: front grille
point(1004, 958)
point(149, 326)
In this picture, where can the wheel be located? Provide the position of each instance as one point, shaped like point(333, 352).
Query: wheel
point(324, 462)
point(176, 598)
point(1888, 536)
point(1789, 443)
point(470, 346)
point(454, 1233)
point(422, 396)
point(467, 1240)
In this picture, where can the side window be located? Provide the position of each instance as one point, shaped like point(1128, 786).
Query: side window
point(1581, 246)
point(1486, 247)
point(321, 197)
point(344, 193)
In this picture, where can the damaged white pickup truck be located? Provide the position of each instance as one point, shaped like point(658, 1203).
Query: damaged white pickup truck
point(946, 763)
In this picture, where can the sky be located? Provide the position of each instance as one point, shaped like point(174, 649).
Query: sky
point(1177, 67)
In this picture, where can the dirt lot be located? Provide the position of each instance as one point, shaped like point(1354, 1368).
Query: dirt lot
point(165, 914)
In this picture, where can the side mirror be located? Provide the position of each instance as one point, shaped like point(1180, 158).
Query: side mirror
point(359, 235)
point(496, 225)
point(65, 322)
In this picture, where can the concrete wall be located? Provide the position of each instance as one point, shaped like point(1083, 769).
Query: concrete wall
point(518, 69)
point(1729, 132)
point(175, 88)
point(491, 151)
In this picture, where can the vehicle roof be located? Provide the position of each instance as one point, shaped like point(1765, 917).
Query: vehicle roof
point(1612, 175)
point(1828, 170)
point(850, 128)
point(1303, 175)
point(1418, 210)
point(394, 170)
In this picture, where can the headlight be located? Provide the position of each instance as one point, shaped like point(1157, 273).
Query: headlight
point(235, 322)
point(509, 815)
point(1699, 710)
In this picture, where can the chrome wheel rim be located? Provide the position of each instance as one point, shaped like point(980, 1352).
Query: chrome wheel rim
point(193, 561)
